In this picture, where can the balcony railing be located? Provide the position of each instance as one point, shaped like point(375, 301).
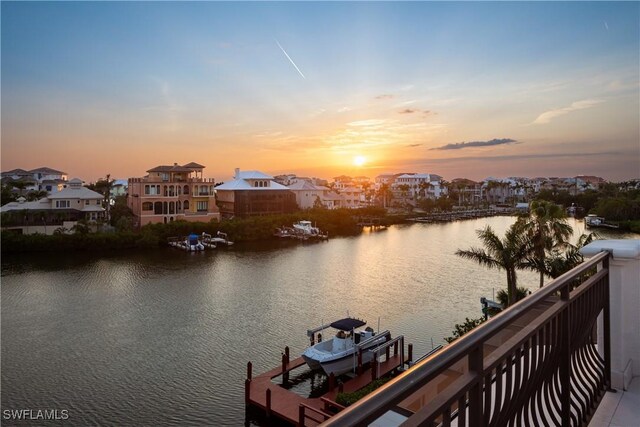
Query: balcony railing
point(549, 372)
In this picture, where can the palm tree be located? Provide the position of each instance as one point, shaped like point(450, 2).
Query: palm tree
point(558, 263)
point(508, 254)
point(546, 228)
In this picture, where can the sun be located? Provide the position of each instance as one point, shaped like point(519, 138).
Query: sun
point(359, 160)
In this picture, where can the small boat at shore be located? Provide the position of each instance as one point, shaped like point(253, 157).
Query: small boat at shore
point(190, 243)
point(301, 230)
point(339, 354)
point(594, 221)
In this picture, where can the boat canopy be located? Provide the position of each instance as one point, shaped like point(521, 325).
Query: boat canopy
point(348, 324)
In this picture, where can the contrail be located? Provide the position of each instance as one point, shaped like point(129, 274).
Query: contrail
point(290, 60)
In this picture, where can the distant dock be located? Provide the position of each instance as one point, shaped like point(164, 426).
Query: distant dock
point(460, 215)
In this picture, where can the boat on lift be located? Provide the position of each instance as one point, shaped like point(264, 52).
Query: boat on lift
point(338, 354)
point(594, 221)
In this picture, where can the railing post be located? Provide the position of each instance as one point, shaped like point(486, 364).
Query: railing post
point(607, 326)
point(476, 365)
point(301, 415)
point(565, 359)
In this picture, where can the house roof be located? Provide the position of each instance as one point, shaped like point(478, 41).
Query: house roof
point(304, 185)
point(241, 184)
point(253, 175)
point(16, 172)
point(45, 169)
point(193, 165)
point(174, 168)
point(41, 204)
point(82, 193)
point(416, 175)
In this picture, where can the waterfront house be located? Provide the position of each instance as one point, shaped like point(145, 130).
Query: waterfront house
point(253, 193)
point(170, 193)
point(61, 209)
point(39, 179)
point(308, 195)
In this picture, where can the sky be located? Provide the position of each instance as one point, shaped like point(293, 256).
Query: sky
point(459, 89)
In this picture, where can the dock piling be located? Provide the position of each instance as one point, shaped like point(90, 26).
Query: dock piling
point(395, 348)
point(410, 351)
point(286, 351)
point(332, 381)
point(247, 391)
point(268, 411)
point(374, 368)
point(285, 373)
point(249, 370)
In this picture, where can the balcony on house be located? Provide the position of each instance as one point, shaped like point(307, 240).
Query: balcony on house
point(555, 358)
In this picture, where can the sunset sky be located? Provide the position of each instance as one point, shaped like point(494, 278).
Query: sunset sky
point(457, 89)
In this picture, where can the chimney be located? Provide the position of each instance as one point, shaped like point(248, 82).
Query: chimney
point(175, 164)
point(237, 174)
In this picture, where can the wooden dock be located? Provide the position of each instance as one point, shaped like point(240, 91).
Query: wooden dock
point(276, 401)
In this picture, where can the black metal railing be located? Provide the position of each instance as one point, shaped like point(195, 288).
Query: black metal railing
point(549, 372)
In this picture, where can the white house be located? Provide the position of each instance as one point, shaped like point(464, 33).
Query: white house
point(307, 194)
point(63, 208)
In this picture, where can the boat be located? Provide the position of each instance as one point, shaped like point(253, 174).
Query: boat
point(191, 243)
point(594, 221)
point(339, 355)
point(221, 239)
point(306, 229)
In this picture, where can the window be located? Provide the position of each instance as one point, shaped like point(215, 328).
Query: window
point(146, 189)
point(185, 205)
point(185, 190)
point(63, 203)
point(147, 206)
point(202, 206)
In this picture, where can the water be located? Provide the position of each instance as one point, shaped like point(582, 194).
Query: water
point(163, 337)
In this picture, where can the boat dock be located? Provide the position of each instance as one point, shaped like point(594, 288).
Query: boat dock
point(373, 222)
point(197, 243)
point(267, 395)
point(459, 215)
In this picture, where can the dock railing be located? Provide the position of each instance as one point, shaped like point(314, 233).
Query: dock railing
point(550, 372)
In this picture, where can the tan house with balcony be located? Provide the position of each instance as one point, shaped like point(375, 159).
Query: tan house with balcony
point(171, 193)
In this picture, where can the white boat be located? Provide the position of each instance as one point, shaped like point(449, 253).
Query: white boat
point(339, 354)
point(306, 229)
point(594, 221)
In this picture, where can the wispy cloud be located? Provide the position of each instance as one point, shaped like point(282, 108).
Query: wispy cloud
point(385, 96)
point(290, 60)
point(368, 123)
point(413, 110)
point(414, 145)
point(547, 116)
point(460, 145)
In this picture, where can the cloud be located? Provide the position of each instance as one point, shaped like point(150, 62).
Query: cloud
point(414, 145)
point(385, 96)
point(370, 122)
point(460, 145)
point(413, 110)
point(547, 116)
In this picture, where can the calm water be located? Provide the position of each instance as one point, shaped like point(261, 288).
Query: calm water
point(162, 338)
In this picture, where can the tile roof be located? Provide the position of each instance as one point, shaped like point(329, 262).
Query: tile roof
point(45, 169)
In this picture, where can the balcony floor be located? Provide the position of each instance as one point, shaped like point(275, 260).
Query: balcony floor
point(621, 409)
